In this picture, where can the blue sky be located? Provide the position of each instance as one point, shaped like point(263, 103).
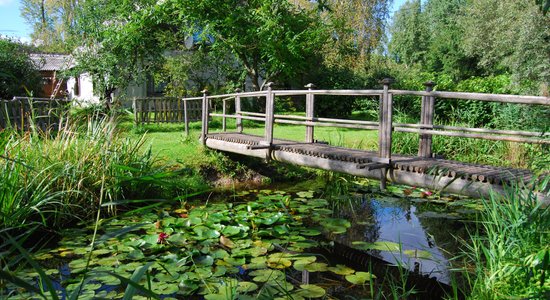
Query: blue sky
point(12, 24)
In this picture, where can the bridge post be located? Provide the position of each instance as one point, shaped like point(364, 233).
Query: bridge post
point(239, 120)
point(310, 105)
point(269, 120)
point(224, 111)
point(427, 118)
point(185, 117)
point(385, 128)
point(269, 114)
point(204, 130)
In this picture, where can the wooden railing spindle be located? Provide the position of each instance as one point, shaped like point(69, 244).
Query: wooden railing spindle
point(310, 110)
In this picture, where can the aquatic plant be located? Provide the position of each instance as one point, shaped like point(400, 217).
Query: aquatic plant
point(509, 256)
point(219, 250)
point(53, 178)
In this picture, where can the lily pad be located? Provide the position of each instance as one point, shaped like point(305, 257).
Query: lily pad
point(266, 275)
point(311, 291)
point(341, 270)
point(336, 226)
point(360, 277)
point(380, 245)
point(422, 254)
point(246, 286)
point(279, 263)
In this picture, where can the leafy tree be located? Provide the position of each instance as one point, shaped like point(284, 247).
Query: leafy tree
point(409, 34)
point(18, 75)
point(52, 22)
point(509, 36)
point(270, 38)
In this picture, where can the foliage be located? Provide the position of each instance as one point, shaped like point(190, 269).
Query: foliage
point(511, 257)
point(121, 43)
point(510, 35)
point(271, 39)
point(18, 75)
point(216, 250)
point(54, 178)
point(52, 22)
point(189, 72)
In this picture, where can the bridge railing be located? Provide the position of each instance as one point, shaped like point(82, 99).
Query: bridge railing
point(425, 128)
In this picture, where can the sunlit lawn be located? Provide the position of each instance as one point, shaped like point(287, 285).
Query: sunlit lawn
point(170, 144)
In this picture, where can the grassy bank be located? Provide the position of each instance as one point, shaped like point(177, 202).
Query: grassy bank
point(56, 178)
point(510, 257)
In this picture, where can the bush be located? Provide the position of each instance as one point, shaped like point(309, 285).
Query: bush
point(54, 178)
point(18, 75)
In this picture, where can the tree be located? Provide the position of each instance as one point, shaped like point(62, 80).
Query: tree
point(52, 22)
point(509, 36)
point(18, 75)
point(270, 38)
point(409, 34)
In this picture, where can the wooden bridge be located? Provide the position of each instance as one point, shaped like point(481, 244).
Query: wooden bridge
point(423, 170)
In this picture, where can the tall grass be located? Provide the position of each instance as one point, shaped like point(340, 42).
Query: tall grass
point(509, 257)
point(51, 178)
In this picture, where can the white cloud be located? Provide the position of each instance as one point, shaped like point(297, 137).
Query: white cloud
point(5, 2)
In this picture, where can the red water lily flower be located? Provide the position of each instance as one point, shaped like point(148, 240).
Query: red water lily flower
point(162, 238)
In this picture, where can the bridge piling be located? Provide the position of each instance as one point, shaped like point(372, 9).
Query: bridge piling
point(204, 129)
point(239, 120)
point(385, 129)
point(310, 113)
point(427, 118)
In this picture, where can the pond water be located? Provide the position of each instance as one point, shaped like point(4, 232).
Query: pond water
point(260, 244)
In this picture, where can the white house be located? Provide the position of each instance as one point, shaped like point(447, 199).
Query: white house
point(78, 88)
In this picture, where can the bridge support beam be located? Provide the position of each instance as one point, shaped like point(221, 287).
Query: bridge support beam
point(385, 129)
point(427, 118)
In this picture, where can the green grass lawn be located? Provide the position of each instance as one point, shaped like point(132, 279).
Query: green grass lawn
point(170, 144)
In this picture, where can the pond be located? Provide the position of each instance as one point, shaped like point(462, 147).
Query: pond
point(262, 244)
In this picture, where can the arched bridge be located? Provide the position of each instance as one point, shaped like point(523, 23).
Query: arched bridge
point(423, 170)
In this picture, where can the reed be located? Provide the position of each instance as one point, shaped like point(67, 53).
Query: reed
point(54, 178)
point(509, 256)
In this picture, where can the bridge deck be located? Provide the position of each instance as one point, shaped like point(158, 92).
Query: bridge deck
point(437, 168)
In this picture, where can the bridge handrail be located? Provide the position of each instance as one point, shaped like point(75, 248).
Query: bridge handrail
point(503, 98)
point(385, 125)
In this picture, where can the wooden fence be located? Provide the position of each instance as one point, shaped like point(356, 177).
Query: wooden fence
point(166, 110)
point(22, 113)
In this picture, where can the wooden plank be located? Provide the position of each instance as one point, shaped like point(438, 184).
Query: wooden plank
point(426, 118)
point(224, 119)
point(479, 96)
point(477, 136)
point(185, 118)
point(239, 121)
point(310, 108)
point(477, 130)
point(269, 114)
point(205, 116)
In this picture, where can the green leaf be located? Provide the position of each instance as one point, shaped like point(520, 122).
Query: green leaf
point(311, 291)
point(360, 277)
point(341, 270)
point(422, 254)
point(380, 245)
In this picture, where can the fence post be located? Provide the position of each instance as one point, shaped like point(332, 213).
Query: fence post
point(239, 120)
point(427, 118)
point(385, 128)
point(310, 105)
point(204, 130)
point(185, 117)
point(224, 120)
point(134, 105)
point(269, 114)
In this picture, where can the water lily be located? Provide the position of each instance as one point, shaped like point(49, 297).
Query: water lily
point(162, 238)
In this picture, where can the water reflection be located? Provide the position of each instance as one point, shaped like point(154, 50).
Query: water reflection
point(426, 238)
